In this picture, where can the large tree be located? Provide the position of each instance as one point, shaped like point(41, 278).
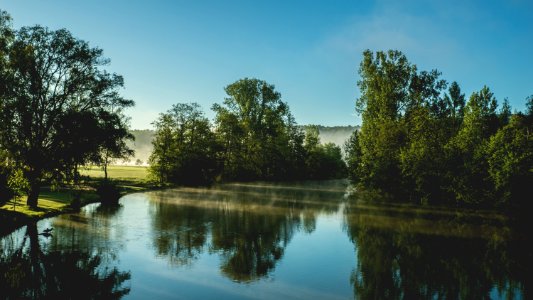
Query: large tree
point(52, 79)
point(257, 131)
point(184, 146)
point(384, 85)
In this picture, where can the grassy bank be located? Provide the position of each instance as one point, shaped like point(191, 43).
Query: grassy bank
point(16, 213)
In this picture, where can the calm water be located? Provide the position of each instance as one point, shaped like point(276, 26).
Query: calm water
point(238, 241)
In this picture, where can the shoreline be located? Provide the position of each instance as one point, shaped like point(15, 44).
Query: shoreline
point(12, 220)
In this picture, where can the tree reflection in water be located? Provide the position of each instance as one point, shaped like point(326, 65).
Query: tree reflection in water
point(37, 268)
point(248, 225)
point(406, 256)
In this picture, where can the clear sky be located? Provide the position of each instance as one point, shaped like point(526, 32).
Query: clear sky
point(183, 51)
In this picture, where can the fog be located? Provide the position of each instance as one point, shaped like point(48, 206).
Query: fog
point(335, 134)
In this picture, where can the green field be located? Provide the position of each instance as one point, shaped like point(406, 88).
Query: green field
point(122, 173)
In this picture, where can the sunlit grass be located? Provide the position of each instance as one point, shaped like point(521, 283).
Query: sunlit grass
point(15, 213)
point(49, 202)
point(129, 173)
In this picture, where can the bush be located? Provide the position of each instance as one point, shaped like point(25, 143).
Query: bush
point(109, 193)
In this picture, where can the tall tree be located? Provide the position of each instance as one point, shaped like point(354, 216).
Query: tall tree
point(384, 86)
point(52, 75)
point(470, 182)
point(256, 126)
point(184, 147)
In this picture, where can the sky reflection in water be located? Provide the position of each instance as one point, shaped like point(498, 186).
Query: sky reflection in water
point(261, 240)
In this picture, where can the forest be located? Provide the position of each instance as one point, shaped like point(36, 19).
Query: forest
point(423, 142)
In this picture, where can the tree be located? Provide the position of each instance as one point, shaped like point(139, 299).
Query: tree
point(352, 147)
point(6, 192)
point(457, 103)
point(423, 160)
point(50, 77)
point(256, 130)
point(510, 162)
point(115, 134)
point(466, 150)
point(184, 147)
point(323, 161)
point(385, 87)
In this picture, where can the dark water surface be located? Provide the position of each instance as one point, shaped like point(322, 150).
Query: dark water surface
point(311, 240)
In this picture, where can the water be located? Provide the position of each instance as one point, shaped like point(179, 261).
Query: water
point(265, 241)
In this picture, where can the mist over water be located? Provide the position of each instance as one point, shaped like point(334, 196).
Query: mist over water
point(261, 240)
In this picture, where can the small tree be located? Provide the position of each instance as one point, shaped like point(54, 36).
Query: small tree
point(17, 184)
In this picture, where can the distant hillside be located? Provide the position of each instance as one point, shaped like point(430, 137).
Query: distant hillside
point(142, 145)
point(143, 140)
point(335, 134)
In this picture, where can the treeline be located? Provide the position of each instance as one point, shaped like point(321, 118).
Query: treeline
point(253, 137)
point(59, 109)
point(422, 140)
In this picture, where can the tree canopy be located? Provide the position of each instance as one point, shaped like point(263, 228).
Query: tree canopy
point(59, 108)
point(254, 137)
point(423, 142)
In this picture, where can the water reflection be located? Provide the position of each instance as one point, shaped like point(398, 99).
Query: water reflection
point(406, 255)
point(68, 264)
point(300, 241)
point(248, 225)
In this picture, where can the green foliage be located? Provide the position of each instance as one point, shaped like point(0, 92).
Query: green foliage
point(354, 161)
point(254, 137)
point(58, 107)
point(392, 91)
point(422, 159)
point(260, 139)
point(6, 192)
point(184, 147)
point(323, 161)
point(256, 130)
point(429, 146)
point(510, 161)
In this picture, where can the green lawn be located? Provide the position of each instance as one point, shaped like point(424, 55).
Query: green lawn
point(124, 173)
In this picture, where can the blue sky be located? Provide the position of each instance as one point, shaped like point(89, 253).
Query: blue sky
point(185, 51)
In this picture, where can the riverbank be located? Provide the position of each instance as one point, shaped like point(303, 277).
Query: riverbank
point(15, 213)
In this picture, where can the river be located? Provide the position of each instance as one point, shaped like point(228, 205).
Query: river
point(309, 240)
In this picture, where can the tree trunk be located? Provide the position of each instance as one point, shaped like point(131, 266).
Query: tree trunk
point(33, 195)
point(106, 162)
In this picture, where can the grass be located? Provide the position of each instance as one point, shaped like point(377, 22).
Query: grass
point(121, 173)
point(15, 213)
point(50, 203)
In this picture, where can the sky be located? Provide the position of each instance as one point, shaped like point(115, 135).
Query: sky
point(187, 51)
